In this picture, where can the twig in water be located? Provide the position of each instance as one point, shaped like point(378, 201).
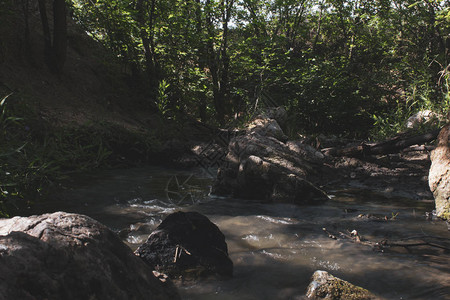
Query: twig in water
point(355, 237)
point(425, 236)
point(406, 245)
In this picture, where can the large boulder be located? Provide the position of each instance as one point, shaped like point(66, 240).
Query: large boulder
point(70, 256)
point(439, 176)
point(187, 245)
point(325, 286)
point(260, 165)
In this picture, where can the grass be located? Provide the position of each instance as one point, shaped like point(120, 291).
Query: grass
point(419, 98)
point(34, 155)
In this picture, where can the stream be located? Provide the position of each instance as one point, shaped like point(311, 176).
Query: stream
point(275, 248)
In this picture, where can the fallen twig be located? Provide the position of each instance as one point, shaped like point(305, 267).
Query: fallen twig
point(386, 243)
point(353, 236)
point(393, 145)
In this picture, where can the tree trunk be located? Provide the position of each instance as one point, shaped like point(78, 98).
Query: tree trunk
point(224, 58)
point(59, 34)
point(213, 66)
point(202, 106)
point(319, 25)
point(46, 31)
point(147, 40)
point(55, 53)
point(28, 48)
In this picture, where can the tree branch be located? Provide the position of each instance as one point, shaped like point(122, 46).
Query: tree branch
point(390, 146)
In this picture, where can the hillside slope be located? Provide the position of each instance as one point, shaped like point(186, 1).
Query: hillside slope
point(94, 114)
point(94, 86)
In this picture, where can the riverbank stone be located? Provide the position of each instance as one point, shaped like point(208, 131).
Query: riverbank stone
point(439, 175)
point(325, 286)
point(262, 165)
point(187, 245)
point(71, 256)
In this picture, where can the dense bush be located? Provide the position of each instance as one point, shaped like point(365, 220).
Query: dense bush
point(338, 66)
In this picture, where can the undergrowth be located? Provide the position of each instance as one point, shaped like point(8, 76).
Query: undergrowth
point(34, 156)
point(418, 99)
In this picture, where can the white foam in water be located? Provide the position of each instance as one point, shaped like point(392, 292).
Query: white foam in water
point(135, 200)
point(277, 220)
point(251, 237)
point(273, 255)
point(135, 239)
point(152, 201)
point(326, 264)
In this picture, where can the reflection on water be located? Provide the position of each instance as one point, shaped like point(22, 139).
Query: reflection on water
point(275, 247)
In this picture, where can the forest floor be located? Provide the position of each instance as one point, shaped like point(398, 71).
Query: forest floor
point(95, 86)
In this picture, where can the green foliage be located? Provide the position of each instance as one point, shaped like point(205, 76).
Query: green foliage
point(391, 122)
point(16, 178)
point(444, 82)
point(334, 64)
point(162, 102)
point(112, 23)
point(419, 98)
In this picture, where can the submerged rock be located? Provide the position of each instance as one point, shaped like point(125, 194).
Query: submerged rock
point(187, 245)
point(325, 286)
point(259, 165)
point(439, 176)
point(70, 256)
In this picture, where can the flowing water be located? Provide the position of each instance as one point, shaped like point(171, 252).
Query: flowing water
point(275, 247)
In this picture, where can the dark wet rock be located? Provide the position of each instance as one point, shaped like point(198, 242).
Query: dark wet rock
point(70, 256)
point(187, 245)
point(325, 286)
point(439, 176)
point(259, 165)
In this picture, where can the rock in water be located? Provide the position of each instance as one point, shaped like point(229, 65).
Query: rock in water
point(439, 176)
point(187, 245)
point(325, 286)
point(70, 256)
point(260, 166)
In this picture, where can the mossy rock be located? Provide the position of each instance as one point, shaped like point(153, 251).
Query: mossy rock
point(325, 286)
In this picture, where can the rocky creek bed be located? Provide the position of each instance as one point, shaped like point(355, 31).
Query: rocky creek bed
point(368, 221)
point(276, 247)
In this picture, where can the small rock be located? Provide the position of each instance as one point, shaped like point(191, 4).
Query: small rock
point(421, 117)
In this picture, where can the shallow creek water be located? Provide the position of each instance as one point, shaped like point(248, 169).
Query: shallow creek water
point(275, 247)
